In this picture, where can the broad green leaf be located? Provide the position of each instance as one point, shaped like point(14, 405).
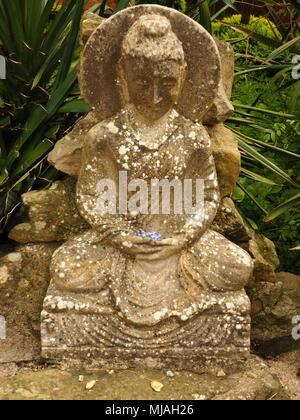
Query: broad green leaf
point(11, 201)
point(238, 194)
point(258, 157)
point(3, 176)
point(266, 111)
point(4, 122)
point(29, 158)
point(78, 105)
point(283, 48)
point(263, 144)
point(256, 177)
point(70, 45)
point(275, 67)
point(204, 17)
point(252, 223)
point(251, 123)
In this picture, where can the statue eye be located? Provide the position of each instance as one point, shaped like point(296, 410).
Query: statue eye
point(142, 82)
point(169, 82)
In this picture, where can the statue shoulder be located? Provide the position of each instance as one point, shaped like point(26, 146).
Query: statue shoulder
point(195, 132)
point(101, 133)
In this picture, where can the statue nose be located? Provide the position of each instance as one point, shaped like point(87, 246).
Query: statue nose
point(156, 96)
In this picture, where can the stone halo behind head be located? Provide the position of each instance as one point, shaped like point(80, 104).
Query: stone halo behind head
point(98, 69)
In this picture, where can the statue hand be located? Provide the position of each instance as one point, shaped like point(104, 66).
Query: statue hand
point(135, 245)
point(163, 249)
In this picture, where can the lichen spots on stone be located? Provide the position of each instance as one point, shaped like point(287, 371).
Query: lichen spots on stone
point(14, 257)
point(4, 274)
point(112, 128)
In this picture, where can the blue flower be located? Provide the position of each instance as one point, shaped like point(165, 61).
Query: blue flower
point(154, 236)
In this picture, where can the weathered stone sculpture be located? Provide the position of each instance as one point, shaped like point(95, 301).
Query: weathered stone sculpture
point(121, 296)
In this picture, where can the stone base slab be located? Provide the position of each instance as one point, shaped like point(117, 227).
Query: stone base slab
point(106, 341)
point(253, 381)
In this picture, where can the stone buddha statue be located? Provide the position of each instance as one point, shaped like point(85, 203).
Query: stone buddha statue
point(150, 283)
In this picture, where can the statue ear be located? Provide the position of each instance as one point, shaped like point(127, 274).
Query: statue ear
point(122, 81)
point(183, 74)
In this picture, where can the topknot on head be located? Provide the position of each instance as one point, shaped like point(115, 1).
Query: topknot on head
point(153, 26)
point(152, 37)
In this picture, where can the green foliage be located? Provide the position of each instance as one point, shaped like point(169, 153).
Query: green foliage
point(259, 25)
point(268, 130)
point(38, 41)
point(199, 10)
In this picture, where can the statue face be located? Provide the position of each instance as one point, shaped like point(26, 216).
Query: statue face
point(153, 87)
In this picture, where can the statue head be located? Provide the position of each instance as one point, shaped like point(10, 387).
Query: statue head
point(152, 66)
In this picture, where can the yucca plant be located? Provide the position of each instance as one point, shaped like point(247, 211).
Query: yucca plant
point(38, 40)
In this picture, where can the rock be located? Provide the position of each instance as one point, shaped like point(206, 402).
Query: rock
point(4, 274)
point(170, 374)
point(22, 291)
point(227, 65)
point(227, 158)
point(222, 107)
point(221, 374)
point(267, 249)
point(275, 297)
point(291, 286)
point(66, 155)
point(8, 369)
point(274, 305)
point(90, 385)
point(260, 385)
point(221, 110)
point(265, 258)
point(156, 386)
point(89, 23)
point(52, 214)
point(229, 223)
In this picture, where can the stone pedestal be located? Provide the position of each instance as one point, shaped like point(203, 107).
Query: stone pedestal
point(83, 327)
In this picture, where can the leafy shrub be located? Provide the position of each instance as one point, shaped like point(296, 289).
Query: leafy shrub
point(38, 41)
point(258, 89)
point(230, 29)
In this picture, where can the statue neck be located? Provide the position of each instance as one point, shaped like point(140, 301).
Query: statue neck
point(152, 134)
